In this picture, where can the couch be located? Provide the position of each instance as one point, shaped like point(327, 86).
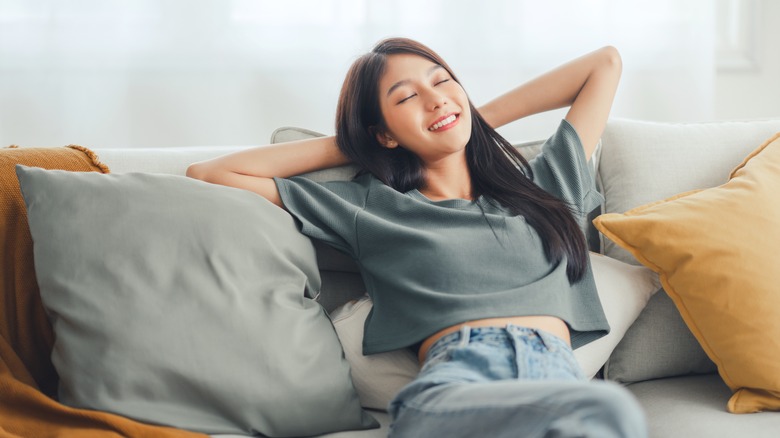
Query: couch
point(658, 357)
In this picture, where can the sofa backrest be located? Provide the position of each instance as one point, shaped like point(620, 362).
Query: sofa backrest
point(643, 162)
point(637, 162)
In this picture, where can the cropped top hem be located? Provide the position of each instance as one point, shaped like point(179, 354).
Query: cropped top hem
point(584, 333)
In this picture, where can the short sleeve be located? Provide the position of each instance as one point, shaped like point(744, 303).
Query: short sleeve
point(326, 210)
point(562, 170)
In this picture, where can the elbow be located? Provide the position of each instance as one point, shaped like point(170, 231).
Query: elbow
point(612, 58)
point(197, 171)
point(207, 172)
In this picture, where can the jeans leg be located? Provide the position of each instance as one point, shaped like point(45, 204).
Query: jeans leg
point(521, 408)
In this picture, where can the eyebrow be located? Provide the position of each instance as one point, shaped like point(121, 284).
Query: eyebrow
point(406, 81)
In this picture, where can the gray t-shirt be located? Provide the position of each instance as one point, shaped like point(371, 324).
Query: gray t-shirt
point(428, 264)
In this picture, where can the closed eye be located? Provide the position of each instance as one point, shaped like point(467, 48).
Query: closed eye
point(406, 98)
point(415, 94)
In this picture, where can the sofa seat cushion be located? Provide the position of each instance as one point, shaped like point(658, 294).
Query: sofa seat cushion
point(382, 417)
point(693, 406)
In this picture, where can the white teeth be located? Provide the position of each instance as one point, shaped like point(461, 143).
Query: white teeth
point(444, 122)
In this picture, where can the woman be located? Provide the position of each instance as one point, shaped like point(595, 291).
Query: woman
point(472, 255)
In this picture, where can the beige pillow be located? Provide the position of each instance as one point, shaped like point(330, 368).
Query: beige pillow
point(716, 253)
point(378, 377)
point(623, 289)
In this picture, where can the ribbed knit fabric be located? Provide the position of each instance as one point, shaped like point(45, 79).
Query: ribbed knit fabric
point(428, 264)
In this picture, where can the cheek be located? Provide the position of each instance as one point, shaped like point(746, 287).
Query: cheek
point(401, 121)
point(459, 94)
point(467, 112)
point(464, 98)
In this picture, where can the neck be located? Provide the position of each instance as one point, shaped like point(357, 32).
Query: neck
point(447, 181)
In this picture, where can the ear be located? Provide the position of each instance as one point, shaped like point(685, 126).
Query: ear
point(385, 139)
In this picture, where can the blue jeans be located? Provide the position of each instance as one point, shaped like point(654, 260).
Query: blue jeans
point(510, 382)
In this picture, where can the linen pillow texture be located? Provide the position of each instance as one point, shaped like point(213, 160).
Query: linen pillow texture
point(23, 323)
point(623, 289)
point(715, 251)
point(28, 380)
point(181, 303)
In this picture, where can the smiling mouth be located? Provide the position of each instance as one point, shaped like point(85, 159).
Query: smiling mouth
point(447, 121)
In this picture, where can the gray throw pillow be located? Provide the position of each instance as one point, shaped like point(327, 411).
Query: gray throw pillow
point(650, 350)
point(181, 303)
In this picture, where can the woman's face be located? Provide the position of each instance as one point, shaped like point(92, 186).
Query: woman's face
point(425, 110)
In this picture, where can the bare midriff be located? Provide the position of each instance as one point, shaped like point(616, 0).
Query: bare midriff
point(550, 324)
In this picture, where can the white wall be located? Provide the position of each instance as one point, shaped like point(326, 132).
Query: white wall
point(754, 92)
point(143, 73)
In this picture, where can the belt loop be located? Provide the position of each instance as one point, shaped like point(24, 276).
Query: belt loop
point(465, 335)
point(512, 333)
point(541, 336)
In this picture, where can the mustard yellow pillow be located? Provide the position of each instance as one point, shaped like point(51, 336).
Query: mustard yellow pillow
point(716, 251)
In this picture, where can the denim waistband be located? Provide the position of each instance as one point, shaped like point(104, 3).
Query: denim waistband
point(496, 336)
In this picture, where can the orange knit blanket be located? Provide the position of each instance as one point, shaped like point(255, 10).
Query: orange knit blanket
point(28, 381)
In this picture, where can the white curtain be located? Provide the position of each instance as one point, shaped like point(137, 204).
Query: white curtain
point(142, 73)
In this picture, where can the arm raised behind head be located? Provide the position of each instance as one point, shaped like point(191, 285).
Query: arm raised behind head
point(254, 169)
point(587, 84)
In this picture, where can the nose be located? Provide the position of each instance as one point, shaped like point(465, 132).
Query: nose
point(434, 99)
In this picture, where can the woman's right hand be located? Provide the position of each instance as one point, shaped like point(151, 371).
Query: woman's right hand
point(254, 169)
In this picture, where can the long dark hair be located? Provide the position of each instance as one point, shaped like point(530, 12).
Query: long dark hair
point(498, 171)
